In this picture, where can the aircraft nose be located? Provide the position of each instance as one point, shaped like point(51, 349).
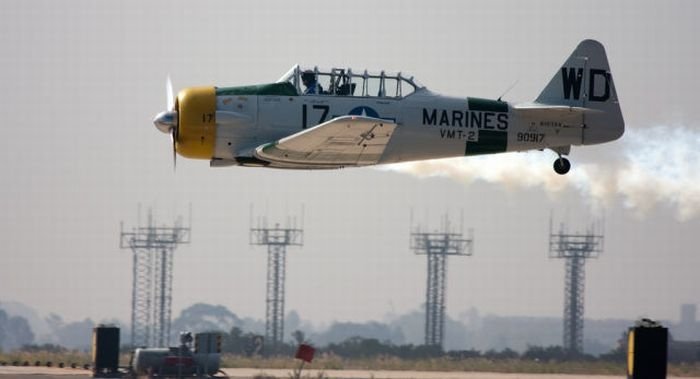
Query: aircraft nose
point(165, 121)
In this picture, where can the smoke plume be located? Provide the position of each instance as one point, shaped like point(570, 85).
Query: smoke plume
point(650, 167)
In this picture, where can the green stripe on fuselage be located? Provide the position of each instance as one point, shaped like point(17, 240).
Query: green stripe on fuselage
point(274, 89)
point(490, 141)
point(486, 105)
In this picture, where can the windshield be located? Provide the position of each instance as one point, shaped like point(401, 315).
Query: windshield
point(346, 82)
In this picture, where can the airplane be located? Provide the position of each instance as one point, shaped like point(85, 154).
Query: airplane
point(322, 119)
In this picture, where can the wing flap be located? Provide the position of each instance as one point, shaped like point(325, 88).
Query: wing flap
point(340, 142)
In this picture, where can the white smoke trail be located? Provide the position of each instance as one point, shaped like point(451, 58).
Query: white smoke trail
point(654, 166)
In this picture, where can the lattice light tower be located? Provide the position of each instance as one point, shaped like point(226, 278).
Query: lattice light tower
point(152, 286)
point(276, 239)
point(437, 246)
point(575, 249)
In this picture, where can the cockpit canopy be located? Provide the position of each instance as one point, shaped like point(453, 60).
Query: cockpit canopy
point(346, 82)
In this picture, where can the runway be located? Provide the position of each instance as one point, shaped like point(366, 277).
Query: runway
point(43, 372)
point(249, 373)
point(369, 374)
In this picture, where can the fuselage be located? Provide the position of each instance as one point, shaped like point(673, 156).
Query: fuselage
point(429, 125)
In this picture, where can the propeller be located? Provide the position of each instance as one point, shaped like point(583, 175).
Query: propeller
point(171, 105)
point(167, 121)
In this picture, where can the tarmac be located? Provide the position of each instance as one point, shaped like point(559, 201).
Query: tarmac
point(249, 373)
point(43, 372)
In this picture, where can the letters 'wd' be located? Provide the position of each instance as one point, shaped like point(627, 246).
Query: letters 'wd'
point(572, 78)
point(313, 118)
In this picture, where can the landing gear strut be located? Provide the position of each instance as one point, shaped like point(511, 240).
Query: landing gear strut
point(562, 165)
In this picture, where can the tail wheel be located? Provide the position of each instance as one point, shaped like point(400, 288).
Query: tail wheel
point(562, 166)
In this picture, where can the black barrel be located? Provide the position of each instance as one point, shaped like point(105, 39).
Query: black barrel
point(105, 350)
point(647, 351)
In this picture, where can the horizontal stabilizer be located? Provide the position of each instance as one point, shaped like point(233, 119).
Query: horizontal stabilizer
point(526, 108)
point(569, 115)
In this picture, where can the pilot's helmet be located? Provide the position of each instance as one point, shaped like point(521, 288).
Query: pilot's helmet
point(308, 77)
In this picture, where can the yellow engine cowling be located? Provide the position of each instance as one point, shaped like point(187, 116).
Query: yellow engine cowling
point(196, 134)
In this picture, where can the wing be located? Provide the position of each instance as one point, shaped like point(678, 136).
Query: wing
point(341, 142)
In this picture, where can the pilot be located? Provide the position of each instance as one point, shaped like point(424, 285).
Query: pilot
point(310, 80)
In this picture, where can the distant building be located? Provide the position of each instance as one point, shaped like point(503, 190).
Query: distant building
point(688, 314)
point(688, 328)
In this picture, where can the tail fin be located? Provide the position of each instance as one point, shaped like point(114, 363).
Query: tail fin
point(585, 81)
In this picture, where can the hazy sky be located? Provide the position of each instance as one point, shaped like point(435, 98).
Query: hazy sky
point(80, 82)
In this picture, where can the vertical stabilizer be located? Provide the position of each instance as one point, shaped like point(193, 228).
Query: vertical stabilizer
point(585, 81)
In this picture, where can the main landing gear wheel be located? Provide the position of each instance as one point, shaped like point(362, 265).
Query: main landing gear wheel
point(562, 166)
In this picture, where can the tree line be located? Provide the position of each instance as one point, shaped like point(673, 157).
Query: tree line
point(250, 344)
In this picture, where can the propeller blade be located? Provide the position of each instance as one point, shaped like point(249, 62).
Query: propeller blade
point(169, 93)
point(173, 138)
